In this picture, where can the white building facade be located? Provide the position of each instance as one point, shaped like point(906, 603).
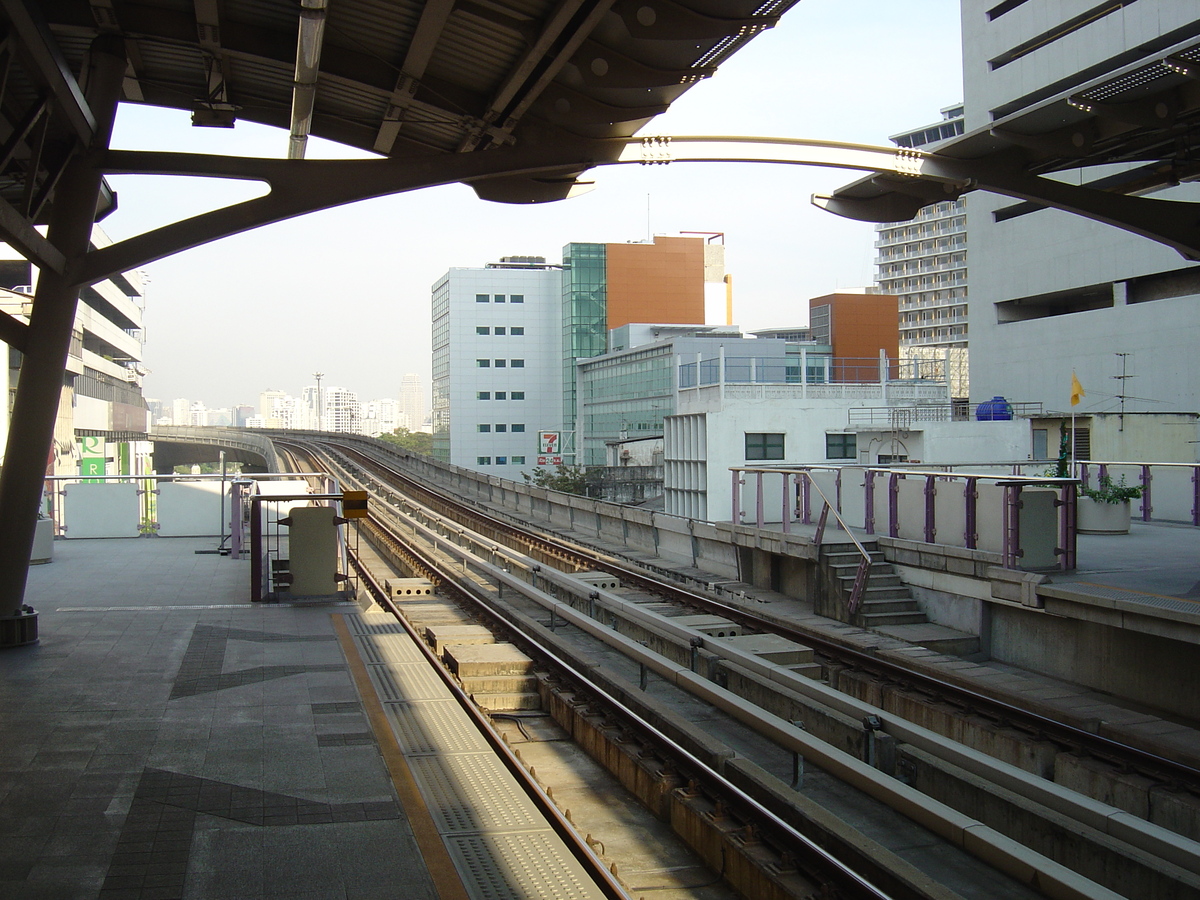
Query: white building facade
point(723, 423)
point(413, 408)
point(497, 364)
point(102, 397)
point(1053, 293)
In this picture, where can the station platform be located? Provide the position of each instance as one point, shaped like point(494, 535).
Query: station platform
point(1154, 558)
point(166, 738)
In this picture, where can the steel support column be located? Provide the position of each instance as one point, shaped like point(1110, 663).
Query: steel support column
point(35, 409)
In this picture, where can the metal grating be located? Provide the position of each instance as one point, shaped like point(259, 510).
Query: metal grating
point(380, 623)
point(433, 726)
point(517, 866)
point(469, 793)
point(410, 681)
point(378, 649)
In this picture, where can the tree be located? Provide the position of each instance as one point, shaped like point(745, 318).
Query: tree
point(567, 479)
point(416, 441)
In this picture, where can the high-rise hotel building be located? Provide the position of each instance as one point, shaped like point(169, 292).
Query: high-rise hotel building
point(924, 263)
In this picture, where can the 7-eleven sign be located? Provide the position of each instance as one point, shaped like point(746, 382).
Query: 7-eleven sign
point(548, 442)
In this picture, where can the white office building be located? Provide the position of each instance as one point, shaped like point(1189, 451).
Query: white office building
point(497, 364)
point(381, 417)
point(340, 410)
point(1053, 293)
point(759, 413)
point(413, 407)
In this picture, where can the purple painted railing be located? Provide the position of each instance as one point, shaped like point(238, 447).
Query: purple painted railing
point(797, 484)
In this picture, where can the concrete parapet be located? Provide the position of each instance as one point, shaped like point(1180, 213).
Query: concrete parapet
point(1091, 853)
point(938, 557)
point(879, 865)
point(1016, 587)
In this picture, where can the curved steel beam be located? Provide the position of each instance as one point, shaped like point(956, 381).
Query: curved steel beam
point(302, 186)
point(910, 179)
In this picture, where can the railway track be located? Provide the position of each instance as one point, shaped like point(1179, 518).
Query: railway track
point(492, 557)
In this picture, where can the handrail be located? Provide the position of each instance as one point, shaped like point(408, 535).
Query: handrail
point(864, 566)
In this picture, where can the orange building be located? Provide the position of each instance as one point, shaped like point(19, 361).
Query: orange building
point(857, 326)
point(661, 282)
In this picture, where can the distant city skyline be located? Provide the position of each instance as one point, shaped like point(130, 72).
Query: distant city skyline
point(402, 399)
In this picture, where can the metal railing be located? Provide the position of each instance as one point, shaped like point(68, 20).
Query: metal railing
point(970, 510)
point(1170, 490)
point(806, 485)
point(900, 416)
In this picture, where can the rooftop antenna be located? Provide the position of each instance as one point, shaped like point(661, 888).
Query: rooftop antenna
point(1123, 377)
point(649, 233)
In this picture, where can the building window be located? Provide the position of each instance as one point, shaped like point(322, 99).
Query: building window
point(764, 446)
point(482, 329)
point(518, 427)
point(485, 395)
point(518, 395)
point(518, 363)
point(483, 363)
point(500, 329)
point(499, 298)
point(500, 395)
point(517, 329)
point(500, 363)
point(481, 298)
point(1041, 448)
point(483, 460)
point(501, 460)
point(518, 460)
point(484, 428)
point(517, 298)
point(841, 446)
point(500, 429)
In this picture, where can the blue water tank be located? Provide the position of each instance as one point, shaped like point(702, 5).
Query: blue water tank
point(995, 410)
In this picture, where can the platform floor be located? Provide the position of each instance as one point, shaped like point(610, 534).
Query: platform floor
point(168, 739)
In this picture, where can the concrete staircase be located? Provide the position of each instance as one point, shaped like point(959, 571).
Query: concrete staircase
point(886, 601)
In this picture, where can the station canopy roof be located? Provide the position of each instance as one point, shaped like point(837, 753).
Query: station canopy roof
point(399, 78)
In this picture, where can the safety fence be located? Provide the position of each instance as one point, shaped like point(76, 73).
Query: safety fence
point(1029, 521)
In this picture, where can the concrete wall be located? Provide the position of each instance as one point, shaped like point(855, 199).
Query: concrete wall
point(1147, 668)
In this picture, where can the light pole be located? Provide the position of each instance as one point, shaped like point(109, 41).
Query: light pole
point(319, 376)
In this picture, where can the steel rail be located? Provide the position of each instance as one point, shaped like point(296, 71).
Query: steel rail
point(441, 530)
point(583, 854)
point(1171, 771)
point(802, 848)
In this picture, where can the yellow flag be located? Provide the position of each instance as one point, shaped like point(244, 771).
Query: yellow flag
point(1077, 391)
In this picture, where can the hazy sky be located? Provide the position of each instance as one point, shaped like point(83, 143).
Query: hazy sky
point(346, 291)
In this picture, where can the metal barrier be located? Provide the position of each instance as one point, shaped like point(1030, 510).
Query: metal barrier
point(1029, 528)
point(1175, 487)
point(1170, 490)
point(273, 571)
point(130, 517)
